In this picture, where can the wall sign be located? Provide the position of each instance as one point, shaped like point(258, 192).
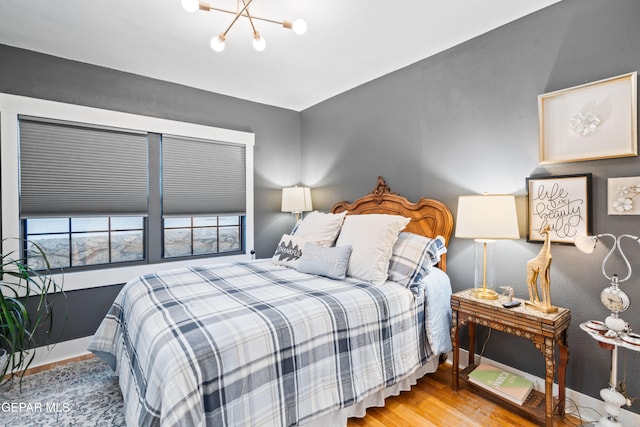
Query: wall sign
point(562, 202)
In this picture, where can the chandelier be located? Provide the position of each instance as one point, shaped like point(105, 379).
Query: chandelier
point(298, 26)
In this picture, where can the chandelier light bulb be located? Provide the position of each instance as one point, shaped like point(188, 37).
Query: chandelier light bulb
point(259, 43)
point(217, 43)
point(299, 26)
point(190, 5)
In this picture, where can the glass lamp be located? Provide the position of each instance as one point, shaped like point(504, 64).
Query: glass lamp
point(296, 200)
point(616, 301)
point(486, 218)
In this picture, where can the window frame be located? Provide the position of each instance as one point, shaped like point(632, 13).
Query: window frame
point(12, 105)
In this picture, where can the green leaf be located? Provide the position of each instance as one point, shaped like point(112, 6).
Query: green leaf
point(18, 323)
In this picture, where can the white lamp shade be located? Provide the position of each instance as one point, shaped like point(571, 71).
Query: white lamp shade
point(296, 199)
point(487, 217)
point(586, 244)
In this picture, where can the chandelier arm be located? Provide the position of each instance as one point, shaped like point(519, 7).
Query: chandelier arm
point(237, 15)
point(208, 8)
point(273, 21)
point(606, 258)
point(250, 18)
point(626, 261)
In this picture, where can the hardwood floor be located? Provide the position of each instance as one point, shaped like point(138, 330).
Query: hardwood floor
point(432, 402)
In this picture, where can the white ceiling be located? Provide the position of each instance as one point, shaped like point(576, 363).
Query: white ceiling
point(349, 42)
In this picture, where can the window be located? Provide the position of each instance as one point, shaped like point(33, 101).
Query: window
point(81, 200)
point(202, 235)
point(85, 204)
point(203, 196)
point(29, 204)
point(79, 242)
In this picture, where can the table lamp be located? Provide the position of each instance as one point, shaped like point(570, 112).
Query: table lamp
point(617, 302)
point(486, 218)
point(296, 200)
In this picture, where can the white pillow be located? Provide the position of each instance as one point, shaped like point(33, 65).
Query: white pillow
point(321, 228)
point(289, 251)
point(371, 237)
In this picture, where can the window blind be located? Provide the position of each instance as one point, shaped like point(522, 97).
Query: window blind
point(202, 177)
point(72, 169)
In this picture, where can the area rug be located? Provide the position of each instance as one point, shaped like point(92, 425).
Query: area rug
point(83, 393)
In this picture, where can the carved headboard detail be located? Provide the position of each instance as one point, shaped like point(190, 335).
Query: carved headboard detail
point(380, 190)
point(429, 217)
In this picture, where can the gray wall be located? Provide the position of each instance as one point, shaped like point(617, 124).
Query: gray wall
point(465, 122)
point(276, 153)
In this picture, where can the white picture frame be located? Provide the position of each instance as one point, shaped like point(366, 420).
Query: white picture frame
point(622, 195)
point(592, 121)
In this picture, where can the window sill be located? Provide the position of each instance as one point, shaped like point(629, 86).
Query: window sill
point(111, 276)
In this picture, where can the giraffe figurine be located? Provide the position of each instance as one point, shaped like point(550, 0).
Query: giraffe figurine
point(540, 267)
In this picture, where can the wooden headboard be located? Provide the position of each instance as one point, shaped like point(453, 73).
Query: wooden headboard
point(429, 217)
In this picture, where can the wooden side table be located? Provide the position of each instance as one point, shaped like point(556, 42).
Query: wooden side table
point(544, 330)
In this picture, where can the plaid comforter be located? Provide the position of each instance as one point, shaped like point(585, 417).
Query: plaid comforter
point(253, 344)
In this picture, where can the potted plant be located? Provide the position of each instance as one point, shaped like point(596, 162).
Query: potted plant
point(27, 297)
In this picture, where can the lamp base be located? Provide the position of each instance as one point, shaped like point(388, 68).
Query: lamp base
point(484, 270)
point(484, 293)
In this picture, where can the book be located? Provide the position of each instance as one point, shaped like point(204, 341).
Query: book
point(505, 384)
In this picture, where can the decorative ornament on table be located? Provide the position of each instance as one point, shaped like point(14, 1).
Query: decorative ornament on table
point(540, 267)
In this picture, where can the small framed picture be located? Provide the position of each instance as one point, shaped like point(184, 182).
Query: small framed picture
point(591, 121)
point(563, 202)
point(622, 196)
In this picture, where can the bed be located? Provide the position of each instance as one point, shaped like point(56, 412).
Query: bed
point(259, 343)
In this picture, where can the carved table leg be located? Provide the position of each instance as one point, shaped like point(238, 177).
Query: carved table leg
point(456, 350)
point(471, 327)
point(562, 371)
point(549, 347)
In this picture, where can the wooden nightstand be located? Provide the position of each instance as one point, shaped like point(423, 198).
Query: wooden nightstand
point(544, 330)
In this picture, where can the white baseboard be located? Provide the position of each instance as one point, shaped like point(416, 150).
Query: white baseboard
point(579, 405)
point(61, 351)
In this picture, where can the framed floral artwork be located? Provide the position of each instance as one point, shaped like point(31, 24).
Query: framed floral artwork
point(622, 196)
point(563, 202)
point(596, 120)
